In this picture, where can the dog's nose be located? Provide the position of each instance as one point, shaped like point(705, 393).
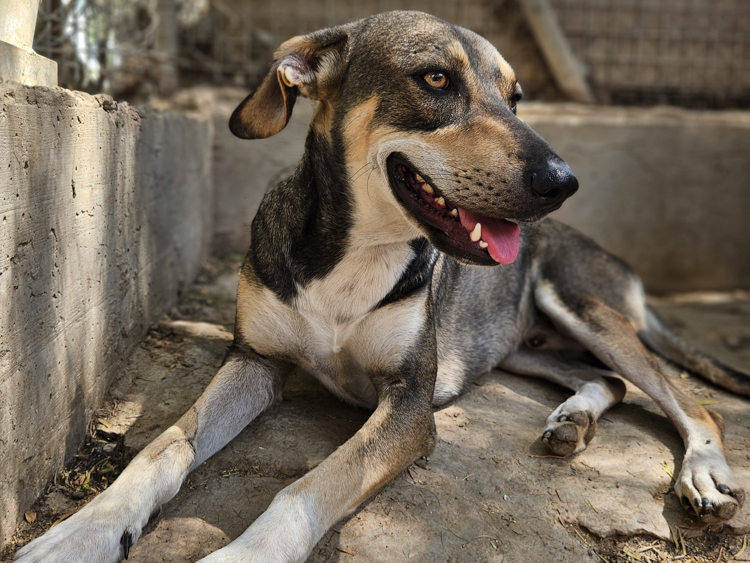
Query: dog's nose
point(555, 183)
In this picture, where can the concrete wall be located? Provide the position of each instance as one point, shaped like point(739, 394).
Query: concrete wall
point(105, 216)
point(666, 189)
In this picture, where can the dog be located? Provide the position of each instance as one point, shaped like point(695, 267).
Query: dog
point(406, 255)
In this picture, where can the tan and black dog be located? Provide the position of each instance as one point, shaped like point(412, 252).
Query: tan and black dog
point(369, 268)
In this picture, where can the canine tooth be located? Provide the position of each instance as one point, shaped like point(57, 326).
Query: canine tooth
point(483, 244)
point(476, 234)
point(440, 201)
point(420, 179)
point(427, 188)
point(454, 212)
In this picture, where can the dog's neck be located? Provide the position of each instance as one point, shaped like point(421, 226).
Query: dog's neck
point(327, 223)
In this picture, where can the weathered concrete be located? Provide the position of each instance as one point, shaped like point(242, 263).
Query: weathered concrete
point(18, 61)
point(665, 189)
point(489, 492)
point(17, 20)
point(105, 217)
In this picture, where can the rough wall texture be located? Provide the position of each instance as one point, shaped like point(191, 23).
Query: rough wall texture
point(105, 214)
point(664, 188)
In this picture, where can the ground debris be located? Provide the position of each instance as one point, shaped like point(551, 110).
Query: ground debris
point(708, 548)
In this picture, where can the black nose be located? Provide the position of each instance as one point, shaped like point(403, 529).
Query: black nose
point(555, 182)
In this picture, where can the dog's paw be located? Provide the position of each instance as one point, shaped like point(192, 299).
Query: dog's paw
point(87, 536)
point(569, 433)
point(707, 487)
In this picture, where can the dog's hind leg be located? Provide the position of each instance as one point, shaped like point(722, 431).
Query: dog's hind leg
point(572, 425)
point(705, 481)
point(106, 528)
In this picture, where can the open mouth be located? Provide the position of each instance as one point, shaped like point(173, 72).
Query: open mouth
point(478, 238)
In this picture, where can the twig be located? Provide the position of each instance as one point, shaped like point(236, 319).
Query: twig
point(742, 549)
point(682, 541)
point(675, 539)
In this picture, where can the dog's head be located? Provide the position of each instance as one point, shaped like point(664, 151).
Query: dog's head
point(424, 113)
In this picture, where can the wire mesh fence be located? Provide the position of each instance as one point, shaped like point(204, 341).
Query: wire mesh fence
point(94, 41)
point(686, 52)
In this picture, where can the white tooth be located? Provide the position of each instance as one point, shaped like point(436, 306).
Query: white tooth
point(427, 188)
point(483, 244)
point(440, 201)
point(454, 212)
point(476, 234)
point(420, 179)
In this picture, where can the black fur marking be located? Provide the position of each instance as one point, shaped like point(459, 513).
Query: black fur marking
point(127, 542)
point(741, 378)
point(301, 230)
point(417, 274)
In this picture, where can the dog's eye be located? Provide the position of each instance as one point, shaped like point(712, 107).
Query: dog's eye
point(437, 80)
point(514, 99)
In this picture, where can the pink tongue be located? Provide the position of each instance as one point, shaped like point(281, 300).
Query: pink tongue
point(499, 234)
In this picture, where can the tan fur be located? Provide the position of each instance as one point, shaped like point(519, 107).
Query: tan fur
point(456, 51)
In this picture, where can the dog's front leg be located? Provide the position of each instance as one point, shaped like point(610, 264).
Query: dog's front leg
point(401, 429)
point(104, 529)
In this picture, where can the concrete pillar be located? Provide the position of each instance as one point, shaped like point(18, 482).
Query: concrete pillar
point(18, 61)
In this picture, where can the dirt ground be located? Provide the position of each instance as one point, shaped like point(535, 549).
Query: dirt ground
point(489, 492)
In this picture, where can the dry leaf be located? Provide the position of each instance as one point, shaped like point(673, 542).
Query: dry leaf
point(30, 516)
point(348, 550)
point(105, 423)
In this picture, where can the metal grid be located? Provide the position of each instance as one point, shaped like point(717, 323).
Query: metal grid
point(237, 37)
point(123, 47)
point(693, 53)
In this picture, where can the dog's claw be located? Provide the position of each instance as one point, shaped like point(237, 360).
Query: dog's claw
point(546, 436)
point(724, 489)
point(127, 542)
point(562, 418)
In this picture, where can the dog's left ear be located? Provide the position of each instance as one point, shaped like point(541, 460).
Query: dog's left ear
point(309, 65)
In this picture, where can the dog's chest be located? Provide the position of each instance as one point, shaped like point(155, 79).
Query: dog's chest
point(334, 329)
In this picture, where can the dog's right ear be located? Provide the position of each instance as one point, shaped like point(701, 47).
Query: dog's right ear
point(309, 65)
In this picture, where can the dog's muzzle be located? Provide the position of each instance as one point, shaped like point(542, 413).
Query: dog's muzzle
point(553, 184)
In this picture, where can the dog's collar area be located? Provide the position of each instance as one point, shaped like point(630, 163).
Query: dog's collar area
point(495, 239)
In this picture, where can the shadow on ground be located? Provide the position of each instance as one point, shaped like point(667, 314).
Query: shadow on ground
point(489, 492)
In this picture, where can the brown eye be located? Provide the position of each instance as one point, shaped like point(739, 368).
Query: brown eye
point(437, 80)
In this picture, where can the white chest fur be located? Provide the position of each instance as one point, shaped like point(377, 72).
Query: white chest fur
point(332, 328)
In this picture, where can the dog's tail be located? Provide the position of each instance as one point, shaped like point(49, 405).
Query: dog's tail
point(664, 342)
